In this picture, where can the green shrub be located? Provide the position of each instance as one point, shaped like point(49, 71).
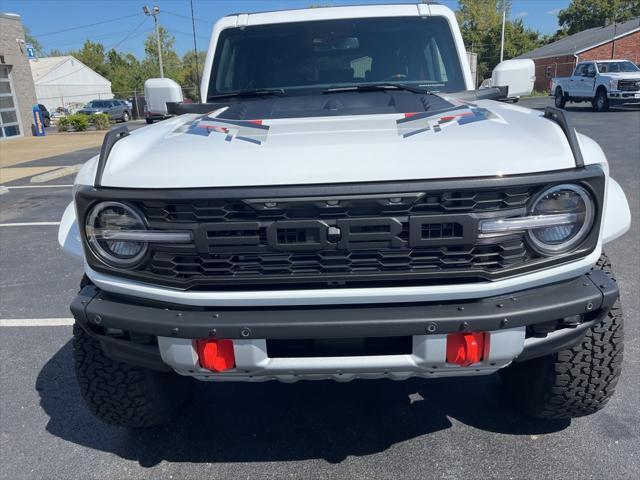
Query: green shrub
point(99, 120)
point(79, 122)
point(63, 124)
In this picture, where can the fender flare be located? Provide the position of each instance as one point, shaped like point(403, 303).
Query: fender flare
point(69, 234)
point(617, 216)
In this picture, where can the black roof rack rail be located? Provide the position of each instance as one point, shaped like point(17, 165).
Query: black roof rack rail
point(558, 116)
point(110, 139)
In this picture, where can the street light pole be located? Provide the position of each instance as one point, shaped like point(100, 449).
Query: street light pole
point(504, 18)
point(154, 13)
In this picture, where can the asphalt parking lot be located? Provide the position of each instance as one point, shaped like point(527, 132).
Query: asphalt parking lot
point(445, 428)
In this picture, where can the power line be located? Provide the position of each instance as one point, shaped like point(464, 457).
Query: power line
point(85, 26)
point(85, 39)
point(187, 18)
point(130, 34)
point(107, 49)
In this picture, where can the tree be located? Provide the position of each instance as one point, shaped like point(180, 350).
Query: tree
point(93, 56)
point(583, 14)
point(28, 38)
point(192, 73)
point(481, 25)
point(125, 73)
point(170, 60)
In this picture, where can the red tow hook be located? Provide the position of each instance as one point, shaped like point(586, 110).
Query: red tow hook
point(216, 355)
point(467, 348)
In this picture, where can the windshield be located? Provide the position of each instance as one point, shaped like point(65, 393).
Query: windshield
point(616, 67)
point(96, 104)
point(320, 54)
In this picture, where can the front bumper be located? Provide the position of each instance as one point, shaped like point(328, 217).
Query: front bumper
point(621, 96)
point(160, 336)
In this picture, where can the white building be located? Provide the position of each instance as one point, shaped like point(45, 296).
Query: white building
point(67, 82)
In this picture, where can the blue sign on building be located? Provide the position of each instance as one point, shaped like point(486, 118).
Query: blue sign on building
point(31, 52)
point(38, 122)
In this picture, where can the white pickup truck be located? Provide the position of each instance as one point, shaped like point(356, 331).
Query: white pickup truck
point(346, 206)
point(602, 82)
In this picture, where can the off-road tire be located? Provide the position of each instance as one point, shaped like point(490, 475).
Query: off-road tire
point(574, 382)
point(601, 101)
point(125, 395)
point(149, 121)
point(560, 99)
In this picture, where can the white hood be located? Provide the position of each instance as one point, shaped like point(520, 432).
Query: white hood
point(623, 75)
point(482, 139)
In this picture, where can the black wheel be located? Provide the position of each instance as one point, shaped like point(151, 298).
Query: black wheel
point(574, 382)
point(560, 99)
point(601, 102)
point(149, 120)
point(124, 395)
point(125, 117)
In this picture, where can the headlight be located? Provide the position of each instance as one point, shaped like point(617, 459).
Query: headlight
point(570, 202)
point(109, 227)
point(613, 84)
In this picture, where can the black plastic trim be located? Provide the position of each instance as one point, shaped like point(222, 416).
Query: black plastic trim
point(493, 93)
point(110, 139)
point(145, 356)
point(557, 115)
point(558, 340)
point(588, 293)
point(324, 190)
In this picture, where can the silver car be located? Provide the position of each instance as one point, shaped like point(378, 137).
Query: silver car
point(116, 109)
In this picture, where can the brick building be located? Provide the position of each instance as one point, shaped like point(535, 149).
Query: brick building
point(17, 92)
point(558, 59)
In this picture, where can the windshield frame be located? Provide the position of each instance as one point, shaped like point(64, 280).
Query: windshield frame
point(451, 60)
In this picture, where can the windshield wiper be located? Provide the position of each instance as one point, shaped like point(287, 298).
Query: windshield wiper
point(256, 92)
point(372, 87)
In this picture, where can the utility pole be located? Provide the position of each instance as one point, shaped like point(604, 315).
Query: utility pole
point(154, 13)
point(504, 19)
point(195, 51)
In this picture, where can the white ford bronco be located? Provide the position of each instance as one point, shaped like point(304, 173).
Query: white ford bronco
point(603, 83)
point(344, 205)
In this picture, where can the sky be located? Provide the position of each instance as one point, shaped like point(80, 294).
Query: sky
point(66, 24)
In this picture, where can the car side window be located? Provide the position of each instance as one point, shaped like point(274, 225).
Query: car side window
point(579, 70)
point(589, 70)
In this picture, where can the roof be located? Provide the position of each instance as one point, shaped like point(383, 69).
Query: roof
point(41, 67)
point(426, 2)
point(44, 66)
point(585, 40)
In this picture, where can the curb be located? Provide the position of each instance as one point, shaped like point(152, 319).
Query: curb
point(61, 172)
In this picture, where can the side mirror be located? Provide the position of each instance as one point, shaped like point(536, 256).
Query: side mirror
point(159, 91)
point(518, 75)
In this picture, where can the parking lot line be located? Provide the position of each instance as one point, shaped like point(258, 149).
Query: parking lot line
point(54, 174)
point(30, 224)
point(14, 187)
point(36, 322)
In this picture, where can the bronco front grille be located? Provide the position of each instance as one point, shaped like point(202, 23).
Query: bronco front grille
point(413, 233)
point(336, 240)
